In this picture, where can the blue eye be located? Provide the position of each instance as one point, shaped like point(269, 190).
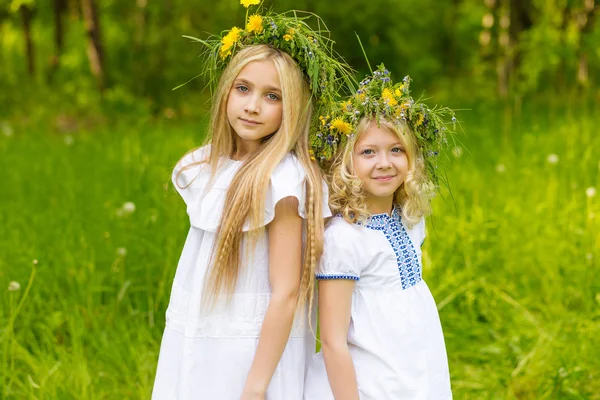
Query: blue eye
point(273, 97)
point(397, 150)
point(367, 152)
point(243, 88)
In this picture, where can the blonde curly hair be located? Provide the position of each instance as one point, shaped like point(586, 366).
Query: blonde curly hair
point(347, 196)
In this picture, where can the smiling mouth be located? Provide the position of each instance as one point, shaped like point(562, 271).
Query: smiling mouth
point(384, 178)
point(249, 121)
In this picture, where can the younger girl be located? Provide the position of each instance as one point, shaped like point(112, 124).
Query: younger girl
point(380, 331)
point(252, 195)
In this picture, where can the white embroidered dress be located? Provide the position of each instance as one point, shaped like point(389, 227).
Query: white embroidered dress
point(207, 355)
point(395, 336)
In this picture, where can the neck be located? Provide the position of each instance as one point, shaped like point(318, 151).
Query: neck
point(243, 149)
point(380, 205)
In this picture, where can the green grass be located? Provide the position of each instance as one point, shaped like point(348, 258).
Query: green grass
point(511, 258)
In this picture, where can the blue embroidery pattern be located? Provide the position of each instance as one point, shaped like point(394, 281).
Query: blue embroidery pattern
point(328, 276)
point(406, 255)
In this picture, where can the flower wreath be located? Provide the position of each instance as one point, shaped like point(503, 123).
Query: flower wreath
point(379, 97)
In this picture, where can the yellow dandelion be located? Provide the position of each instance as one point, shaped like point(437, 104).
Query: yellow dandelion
point(228, 41)
point(346, 105)
point(224, 52)
point(255, 24)
point(291, 31)
point(420, 119)
point(287, 37)
point(248, 3)
point(388, 97)
point(341, 126)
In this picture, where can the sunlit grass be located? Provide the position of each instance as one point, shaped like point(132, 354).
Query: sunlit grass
point(511, 258)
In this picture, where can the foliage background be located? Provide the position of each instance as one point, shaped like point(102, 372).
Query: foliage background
point(90, 230)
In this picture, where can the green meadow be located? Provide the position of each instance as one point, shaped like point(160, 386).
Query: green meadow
point(91, 231)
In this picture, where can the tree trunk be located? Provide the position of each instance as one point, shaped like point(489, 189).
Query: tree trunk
point(95, 51)
point(141, 17)
point(26, 16)
point(59, 7)
point(585, 22)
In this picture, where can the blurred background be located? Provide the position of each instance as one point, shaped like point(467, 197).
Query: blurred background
point(91, 230)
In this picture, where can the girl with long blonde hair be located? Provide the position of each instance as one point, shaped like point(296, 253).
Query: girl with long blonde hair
point(237, 323)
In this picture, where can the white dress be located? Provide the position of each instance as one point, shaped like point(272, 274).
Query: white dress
point(395, 336)
point(207, 355)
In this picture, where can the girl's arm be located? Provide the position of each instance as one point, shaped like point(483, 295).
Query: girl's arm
point(335, 300)
point(285, 264)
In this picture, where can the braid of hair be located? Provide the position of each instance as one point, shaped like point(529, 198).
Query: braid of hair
point(310, 266)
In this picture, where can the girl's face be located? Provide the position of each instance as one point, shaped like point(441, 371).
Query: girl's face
point(381, 163)
point(254, 107)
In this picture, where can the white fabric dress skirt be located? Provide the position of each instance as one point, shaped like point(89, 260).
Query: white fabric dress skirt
point(395, 336)
point(208, 354)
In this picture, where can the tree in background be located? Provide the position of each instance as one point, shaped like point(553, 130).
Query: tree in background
point(131, 53)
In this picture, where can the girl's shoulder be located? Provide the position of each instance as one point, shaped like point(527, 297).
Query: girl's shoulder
point(344, 251)
point(288, 179)
point(289, 171)
point(417, 232)
point(339, 232)
point(205, 195)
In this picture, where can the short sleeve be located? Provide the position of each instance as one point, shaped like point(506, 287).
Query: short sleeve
point(289, 180)
point(341, 253)
point(189, 175)
point(205, 196)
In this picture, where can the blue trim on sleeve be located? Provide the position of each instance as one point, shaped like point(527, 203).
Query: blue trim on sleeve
point(331, 276)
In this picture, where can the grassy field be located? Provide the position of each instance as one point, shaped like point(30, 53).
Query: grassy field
point(91, 232)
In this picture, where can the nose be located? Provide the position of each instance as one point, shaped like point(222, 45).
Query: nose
point(383, 161)
point(253, 105)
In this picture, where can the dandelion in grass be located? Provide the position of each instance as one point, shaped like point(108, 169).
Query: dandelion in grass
point(500, 168)
point(14, 286)
point(589, 256)
point(590, 192)
point(7, 130)
point(552, 159)
point(69, 140)
point(121, 251)
point(35, 262)
point(129, 207)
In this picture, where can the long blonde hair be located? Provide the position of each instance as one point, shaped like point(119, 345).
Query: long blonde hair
point(245, 200)
point(347, 196)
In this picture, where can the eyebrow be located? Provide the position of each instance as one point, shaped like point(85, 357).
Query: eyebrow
point(248, 83)
point(378, 145)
